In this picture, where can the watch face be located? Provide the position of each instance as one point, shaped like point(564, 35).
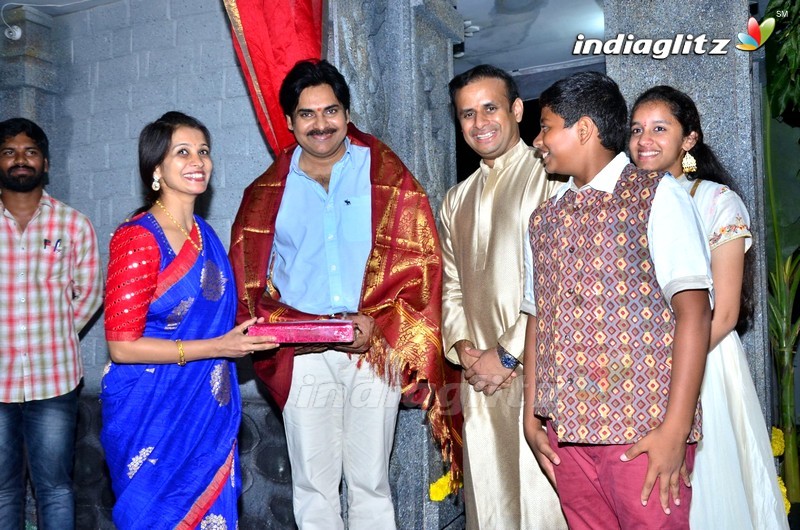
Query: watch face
point(508, 360)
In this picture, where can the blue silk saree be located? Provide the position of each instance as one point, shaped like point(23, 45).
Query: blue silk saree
point(169, 432)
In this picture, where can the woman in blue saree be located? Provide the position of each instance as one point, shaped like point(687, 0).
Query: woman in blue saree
point(170, 398)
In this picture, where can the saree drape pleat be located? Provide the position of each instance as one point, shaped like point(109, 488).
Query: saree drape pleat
point(270, 36)
point(169, 431)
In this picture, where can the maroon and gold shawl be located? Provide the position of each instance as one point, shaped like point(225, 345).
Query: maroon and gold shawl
point(402, 288)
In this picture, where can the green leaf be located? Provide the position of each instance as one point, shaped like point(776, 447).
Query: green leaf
point(783, 57)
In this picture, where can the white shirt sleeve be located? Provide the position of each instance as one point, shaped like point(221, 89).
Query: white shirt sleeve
point(677, 242)
point(528, 299)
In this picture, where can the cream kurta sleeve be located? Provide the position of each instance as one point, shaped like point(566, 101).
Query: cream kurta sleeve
point(454, 320)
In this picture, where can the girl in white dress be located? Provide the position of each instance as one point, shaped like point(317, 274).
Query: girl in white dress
point(734, 482)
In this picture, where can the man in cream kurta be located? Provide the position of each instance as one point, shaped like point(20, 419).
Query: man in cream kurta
point(483, 222)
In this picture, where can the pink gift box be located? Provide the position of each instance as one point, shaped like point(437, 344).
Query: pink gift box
point(302, 331)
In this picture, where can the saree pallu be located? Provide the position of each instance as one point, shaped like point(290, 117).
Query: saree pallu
point(169, 432)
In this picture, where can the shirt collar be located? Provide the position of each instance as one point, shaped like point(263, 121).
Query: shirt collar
point(604, 181)
point(507, 159)
point(45, 200)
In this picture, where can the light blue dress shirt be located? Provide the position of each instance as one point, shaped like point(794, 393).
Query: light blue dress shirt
point(323, 239)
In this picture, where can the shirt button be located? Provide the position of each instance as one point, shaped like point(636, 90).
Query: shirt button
point(336, 298)
point(22, 299)
point(570, 291)
point(333, 267)
point(571, 250)
point(330, 237)
point(23, 328)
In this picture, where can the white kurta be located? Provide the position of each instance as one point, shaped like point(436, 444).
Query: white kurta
point(734, 482)
point(483, 223)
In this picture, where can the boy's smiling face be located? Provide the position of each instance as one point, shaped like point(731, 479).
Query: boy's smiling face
point(556, 143)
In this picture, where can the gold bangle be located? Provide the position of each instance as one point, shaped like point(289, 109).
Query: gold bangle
point(181, 354)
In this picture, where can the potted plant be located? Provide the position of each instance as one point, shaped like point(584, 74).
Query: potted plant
point(783, 90)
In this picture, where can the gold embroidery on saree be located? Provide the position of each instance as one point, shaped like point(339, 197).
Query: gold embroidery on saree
point(176, 317)
point(137, 461)
point(213, 521)
point(212, 281)
point(221, 383)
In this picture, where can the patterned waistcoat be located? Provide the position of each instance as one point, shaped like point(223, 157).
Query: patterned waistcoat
point(605, 331)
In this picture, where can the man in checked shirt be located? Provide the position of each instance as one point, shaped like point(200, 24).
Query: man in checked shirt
point(50, 286)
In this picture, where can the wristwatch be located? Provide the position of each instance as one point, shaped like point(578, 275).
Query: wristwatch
point(506, 359)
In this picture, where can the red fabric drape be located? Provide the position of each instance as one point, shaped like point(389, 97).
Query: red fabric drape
point(270, 36)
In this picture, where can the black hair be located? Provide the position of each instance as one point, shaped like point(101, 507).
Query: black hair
point(596, 96)
point(15, 126)
point(310, 73)
point(685, 111)
point(154, 142)
point(708, 168)
point(484, 71)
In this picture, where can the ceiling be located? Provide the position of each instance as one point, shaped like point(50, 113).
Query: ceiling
point(514, 34)
point(527, 35)
point(55, 8)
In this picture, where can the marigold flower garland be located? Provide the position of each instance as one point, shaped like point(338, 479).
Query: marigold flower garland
point(439, 490)
point(778, 447)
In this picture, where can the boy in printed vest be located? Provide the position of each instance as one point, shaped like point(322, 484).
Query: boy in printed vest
point(618, 286)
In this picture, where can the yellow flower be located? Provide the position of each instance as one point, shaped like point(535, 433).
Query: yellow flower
point(440, 489)
point(778, 444)
point(786, 504)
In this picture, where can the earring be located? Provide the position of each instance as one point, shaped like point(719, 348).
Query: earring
point(156, 185)
point(688, 164)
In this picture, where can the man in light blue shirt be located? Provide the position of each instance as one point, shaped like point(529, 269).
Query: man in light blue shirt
point(320, 271)
point(338, 226)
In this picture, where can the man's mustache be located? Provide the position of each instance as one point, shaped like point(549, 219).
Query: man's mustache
point(29, 168)
point(321, 132)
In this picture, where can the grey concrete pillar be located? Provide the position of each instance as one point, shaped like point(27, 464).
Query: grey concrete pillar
point(29, 81)
point(397, 59)
point(28, 86)
point(727, 92)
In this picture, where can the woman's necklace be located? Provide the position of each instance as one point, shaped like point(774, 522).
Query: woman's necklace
point(176, 223)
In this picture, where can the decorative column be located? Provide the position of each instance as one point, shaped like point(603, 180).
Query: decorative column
point(29, 86)
point(397, 59)
point(28, 72)
point(727, 91)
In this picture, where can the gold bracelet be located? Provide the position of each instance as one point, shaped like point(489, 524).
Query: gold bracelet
point(181, 354)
